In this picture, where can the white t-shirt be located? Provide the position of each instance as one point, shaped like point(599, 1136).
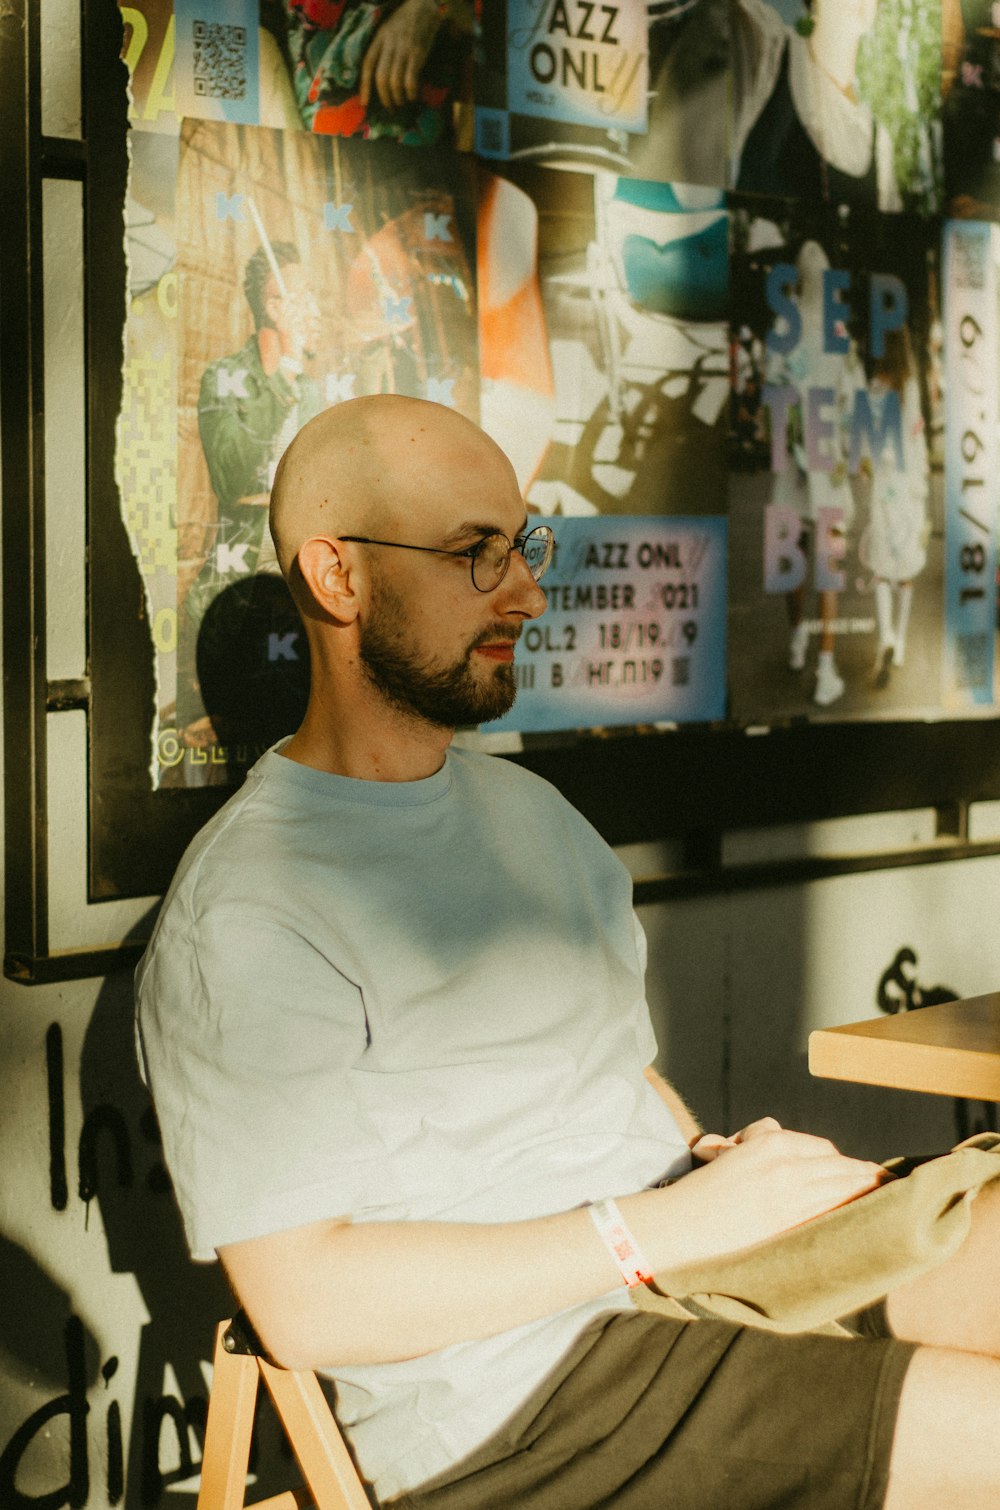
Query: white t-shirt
point(403, 1000)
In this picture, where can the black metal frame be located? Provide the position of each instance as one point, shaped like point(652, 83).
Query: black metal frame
point(127, 822)
point(21, 382)
point(691, 784)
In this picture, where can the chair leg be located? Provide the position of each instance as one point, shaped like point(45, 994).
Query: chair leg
point(315, 1439)
point(228, 1430)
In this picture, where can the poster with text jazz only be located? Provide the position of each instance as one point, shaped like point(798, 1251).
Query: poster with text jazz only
point(635, 630)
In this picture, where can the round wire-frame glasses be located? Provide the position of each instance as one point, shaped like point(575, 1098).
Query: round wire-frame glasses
point(489, 558)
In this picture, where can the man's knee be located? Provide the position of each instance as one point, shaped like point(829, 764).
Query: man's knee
point(946, 1448)
point(955, 1305)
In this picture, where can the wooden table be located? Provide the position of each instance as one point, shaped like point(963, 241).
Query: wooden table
point(950, 1050)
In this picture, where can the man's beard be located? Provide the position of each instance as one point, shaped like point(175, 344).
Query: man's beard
point(450, 697)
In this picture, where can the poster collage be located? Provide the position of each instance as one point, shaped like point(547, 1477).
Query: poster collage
point(720, 276)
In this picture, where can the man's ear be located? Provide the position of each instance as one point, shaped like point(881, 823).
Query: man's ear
point(327, 578)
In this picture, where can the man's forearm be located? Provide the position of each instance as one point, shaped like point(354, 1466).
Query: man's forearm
point(372, 1292)
point(342, 1293)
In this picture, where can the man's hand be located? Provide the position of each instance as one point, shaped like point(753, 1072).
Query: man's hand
point(398, 52)
point(760, 1181)
point(709, 1145)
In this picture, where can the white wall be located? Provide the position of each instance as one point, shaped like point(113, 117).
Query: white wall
point(737, 984)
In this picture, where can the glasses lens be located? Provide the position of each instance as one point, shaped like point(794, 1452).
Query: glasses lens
point(490, 562)
point(537, 550)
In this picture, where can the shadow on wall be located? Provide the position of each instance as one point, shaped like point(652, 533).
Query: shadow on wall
point(45, 1345)
point(253, 664)
point(120, 1167)
point(736, 983)
point(69, 1451)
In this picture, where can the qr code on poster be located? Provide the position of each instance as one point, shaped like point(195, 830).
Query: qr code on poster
point(220, 60)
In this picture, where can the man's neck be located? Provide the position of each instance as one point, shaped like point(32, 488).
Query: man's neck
point(379, 745)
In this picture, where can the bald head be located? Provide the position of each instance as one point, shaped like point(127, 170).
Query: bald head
point(373, 465)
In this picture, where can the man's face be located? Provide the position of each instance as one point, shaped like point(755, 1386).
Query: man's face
point(433, 645)
point(448, 693)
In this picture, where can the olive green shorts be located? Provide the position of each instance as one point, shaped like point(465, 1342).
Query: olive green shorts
point(647, 1412)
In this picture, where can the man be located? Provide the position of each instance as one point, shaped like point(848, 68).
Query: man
point(394, 1026)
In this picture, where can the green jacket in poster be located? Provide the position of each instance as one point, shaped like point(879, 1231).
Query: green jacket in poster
point(246, 419)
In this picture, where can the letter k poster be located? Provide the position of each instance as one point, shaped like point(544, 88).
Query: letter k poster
point(312, 270)
point(836, 439)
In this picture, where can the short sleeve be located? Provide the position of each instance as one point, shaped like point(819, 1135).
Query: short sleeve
point(251, 1042)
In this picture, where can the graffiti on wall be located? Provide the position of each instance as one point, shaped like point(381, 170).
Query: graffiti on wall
point(899, 990)
point(97, 1437)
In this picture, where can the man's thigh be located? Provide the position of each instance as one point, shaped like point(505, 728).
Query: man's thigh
point(695, 1416)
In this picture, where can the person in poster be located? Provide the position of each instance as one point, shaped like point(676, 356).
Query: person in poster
point(250, 405)
point(801, 360)
point(894, 545)
point(396, 69)
point(808, 125)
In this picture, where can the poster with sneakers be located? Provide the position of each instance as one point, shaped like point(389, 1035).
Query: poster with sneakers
point(603, 341)
point(836, 448)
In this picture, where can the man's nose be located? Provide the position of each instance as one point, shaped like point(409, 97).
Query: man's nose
point(524, 595)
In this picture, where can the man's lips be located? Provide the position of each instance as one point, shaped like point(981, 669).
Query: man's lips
point(499, 650)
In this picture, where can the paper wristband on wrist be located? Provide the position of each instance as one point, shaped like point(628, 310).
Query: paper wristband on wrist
point(620, 1243)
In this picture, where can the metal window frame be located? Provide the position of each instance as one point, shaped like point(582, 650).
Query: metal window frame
point(692, 784)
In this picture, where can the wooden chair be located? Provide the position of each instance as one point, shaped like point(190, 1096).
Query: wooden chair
point(332, 1481)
